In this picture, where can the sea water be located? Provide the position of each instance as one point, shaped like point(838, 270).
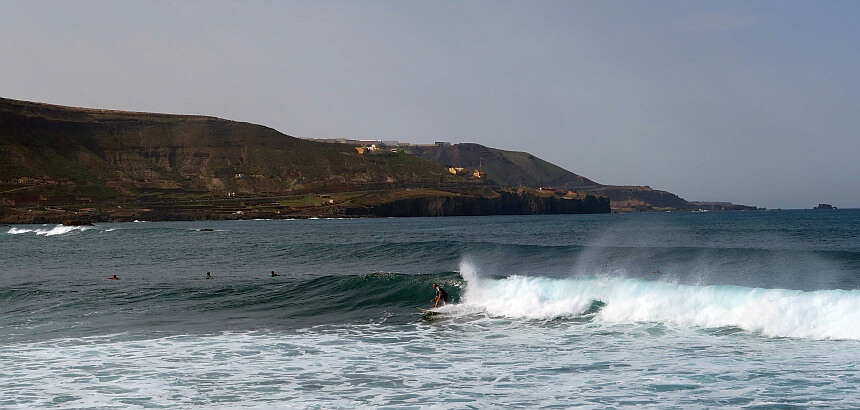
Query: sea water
point(728, 309)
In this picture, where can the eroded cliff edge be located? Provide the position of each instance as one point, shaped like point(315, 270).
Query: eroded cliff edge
point(505, 202)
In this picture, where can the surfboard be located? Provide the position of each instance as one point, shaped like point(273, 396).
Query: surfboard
point(428, 312)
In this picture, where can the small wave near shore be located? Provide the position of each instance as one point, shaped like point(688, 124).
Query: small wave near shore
point(49, 230)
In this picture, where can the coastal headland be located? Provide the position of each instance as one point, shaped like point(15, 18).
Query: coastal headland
point(80, 165)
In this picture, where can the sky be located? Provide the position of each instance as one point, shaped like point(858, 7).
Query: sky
point(753, 102)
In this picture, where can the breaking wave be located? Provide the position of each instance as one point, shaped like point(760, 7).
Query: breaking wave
point(49, 231)
point(820, 314)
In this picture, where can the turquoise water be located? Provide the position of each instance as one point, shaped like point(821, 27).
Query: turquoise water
point(734, 309)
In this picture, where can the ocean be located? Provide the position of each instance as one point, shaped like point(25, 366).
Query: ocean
point(757, 309)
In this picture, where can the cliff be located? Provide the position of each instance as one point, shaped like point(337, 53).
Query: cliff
point(56, 159)
point(504, 202)
point(516, 169)
point(63, 163)
point(641, 198)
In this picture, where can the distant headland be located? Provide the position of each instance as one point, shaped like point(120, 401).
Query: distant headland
point(86, 165)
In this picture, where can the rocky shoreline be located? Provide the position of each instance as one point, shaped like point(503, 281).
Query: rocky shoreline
point(401, 203)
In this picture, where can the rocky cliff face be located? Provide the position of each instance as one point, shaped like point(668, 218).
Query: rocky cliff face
point(640, 198)
point(505, 203)
point(522, 169)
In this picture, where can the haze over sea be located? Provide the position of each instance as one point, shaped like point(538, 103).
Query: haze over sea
point(732, 309)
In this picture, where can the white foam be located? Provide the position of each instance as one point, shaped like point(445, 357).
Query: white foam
point(56, 230)
point(473, 363)
point(823, 314)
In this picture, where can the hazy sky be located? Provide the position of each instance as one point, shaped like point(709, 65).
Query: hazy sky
point(751, 102)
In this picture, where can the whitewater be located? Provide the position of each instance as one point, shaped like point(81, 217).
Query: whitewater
point(823, 314)
point(735, 309)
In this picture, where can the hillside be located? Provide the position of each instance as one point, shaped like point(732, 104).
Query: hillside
point(513, 168)
point(510, 168)
point(59, 163)
point(114, 153)
point(55, 157)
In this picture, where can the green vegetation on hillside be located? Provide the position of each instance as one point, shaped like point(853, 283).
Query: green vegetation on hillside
point(57, 161)
point(60, 163)
point(131, 154)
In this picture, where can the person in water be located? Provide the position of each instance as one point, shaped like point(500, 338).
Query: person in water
point(113, 277)
point(441, 296)
point(208, 275)
point(274, 274)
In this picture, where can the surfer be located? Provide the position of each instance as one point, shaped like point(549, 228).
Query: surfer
point(113, 278)
point(208, 275)
point(274, 274)
point(441, 296)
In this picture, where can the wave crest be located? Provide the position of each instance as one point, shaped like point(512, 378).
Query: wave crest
point(822, 314)
point(56, 230)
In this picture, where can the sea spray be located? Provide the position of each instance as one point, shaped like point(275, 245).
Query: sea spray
point(822, 314)
point(52, 231)
point(522, 297)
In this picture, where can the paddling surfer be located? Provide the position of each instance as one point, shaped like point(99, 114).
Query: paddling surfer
point(441, 296)
point(113, 278)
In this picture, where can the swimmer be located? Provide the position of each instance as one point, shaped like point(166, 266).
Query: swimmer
point(208, 275)
point(274, 274)
point(113, 278)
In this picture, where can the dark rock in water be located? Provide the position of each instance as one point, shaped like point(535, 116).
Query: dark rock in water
point(824, 206)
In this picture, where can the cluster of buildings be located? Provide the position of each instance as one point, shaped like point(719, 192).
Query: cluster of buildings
point(477, 173)
point(392, 146)
point(376, 149)
point(379, 143)
point(378, 146)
